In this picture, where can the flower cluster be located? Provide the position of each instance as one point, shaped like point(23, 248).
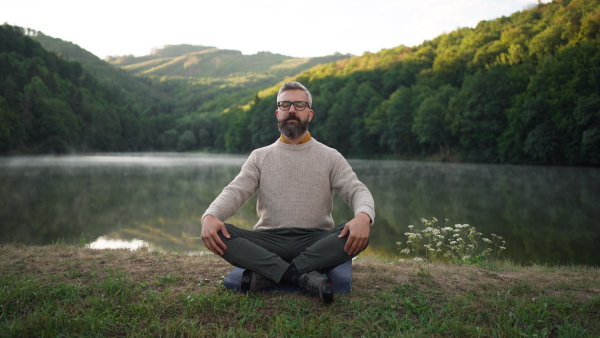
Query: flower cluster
point(458, 244)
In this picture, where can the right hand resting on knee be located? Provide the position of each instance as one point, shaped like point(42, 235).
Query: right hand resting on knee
point(210, 234)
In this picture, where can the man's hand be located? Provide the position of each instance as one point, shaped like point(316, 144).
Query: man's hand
point(359, 228)
point(210, 234)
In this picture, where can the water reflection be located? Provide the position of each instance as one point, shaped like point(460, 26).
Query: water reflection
point(547, 215)
point(104, 242)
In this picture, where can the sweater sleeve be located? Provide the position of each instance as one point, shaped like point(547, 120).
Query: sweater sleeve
point(240, 190)
point(353, 191)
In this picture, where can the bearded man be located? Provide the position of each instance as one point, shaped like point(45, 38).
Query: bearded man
point(295, 240)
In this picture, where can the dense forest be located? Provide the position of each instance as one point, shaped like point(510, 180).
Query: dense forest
point(98, 107)
point(518, 89)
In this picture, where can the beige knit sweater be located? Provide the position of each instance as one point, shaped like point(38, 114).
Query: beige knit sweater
point(295, 185)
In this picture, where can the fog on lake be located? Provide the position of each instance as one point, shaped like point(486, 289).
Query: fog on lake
point(545, 214)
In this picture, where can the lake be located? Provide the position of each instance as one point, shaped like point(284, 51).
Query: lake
point(546, 214)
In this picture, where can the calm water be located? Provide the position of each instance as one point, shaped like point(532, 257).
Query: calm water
point(546, 214)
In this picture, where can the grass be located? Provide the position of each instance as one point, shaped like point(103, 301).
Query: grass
point(61, 290)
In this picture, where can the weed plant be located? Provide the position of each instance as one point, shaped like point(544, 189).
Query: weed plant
point(461, 244)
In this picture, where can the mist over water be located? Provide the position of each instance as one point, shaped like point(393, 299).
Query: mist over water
point(545, 214)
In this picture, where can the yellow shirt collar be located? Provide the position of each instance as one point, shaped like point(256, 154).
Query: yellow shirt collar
point(304, 140)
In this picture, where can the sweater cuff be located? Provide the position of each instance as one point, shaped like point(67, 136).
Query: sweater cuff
point(212, 213)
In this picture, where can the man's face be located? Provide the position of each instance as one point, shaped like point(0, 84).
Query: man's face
point(293, 123)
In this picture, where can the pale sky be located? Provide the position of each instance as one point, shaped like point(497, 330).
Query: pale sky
point(293, 28)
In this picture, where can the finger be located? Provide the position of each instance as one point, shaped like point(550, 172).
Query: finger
point(209, 245)
point(214, 244)
point(360, 246)
point(344, 231)
point(357, 246)
point(354, 249)
point(224, 232)
point(349, 245)
point(219, 243)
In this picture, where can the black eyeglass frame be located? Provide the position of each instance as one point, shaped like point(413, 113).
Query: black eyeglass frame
point(294, 104)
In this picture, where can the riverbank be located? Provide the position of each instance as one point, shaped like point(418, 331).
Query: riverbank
point(75, 291)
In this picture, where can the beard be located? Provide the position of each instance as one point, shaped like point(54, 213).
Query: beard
point(292, 129)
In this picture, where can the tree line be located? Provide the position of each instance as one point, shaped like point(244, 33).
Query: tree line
point(518, 89)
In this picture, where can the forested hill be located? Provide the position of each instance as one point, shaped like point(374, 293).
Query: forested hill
point(188, 61)
point(51, 105)
point(518, 89)
point(57, 97)
point(137, 91)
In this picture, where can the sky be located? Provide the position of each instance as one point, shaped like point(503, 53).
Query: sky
point(301, 29)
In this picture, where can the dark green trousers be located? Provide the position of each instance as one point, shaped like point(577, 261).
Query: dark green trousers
point(270, 252)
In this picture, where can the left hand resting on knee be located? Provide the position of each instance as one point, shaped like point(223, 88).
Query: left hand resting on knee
point(358, 228)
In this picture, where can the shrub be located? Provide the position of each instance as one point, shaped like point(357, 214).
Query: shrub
point(460, 244)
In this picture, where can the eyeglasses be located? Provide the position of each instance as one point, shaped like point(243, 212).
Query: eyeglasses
point(299, 105)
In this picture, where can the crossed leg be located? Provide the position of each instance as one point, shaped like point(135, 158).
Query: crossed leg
point(270, 252)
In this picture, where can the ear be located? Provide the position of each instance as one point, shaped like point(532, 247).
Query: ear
point(277, 113)
point(311, 113)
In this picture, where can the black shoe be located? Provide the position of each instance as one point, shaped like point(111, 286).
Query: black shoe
point(315, 284)
point(251, 281)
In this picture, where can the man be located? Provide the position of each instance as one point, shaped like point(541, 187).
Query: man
point(295, 238)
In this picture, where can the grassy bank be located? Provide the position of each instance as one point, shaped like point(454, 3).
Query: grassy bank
point(73, 291)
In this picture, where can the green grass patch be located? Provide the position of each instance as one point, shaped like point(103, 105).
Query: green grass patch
point(60, 290)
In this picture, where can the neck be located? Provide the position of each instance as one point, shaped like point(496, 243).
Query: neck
point(297, 139)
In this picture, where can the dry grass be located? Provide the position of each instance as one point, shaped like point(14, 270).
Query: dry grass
point(432, 297)
point(193, 271)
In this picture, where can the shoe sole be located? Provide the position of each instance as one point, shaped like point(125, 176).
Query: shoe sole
point(328, 291)
point(246, 280)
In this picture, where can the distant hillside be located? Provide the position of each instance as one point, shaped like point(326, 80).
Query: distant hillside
point(138, 91)
point(185, 79)
point(209, 62)
point(51, 105)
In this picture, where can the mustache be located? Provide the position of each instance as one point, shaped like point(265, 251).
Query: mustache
point(293, 117)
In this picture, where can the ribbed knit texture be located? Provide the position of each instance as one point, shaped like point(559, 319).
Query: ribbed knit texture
point(295, 185)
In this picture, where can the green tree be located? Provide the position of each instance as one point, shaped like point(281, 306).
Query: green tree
point(12, 132)
point(433, 120)
point(365, 101)
point(186, 141)
point(480, 110)
point(587, 115)
point(397, 132)
point(56, 128)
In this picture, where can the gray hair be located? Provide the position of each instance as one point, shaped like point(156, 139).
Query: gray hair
point(291, 85)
